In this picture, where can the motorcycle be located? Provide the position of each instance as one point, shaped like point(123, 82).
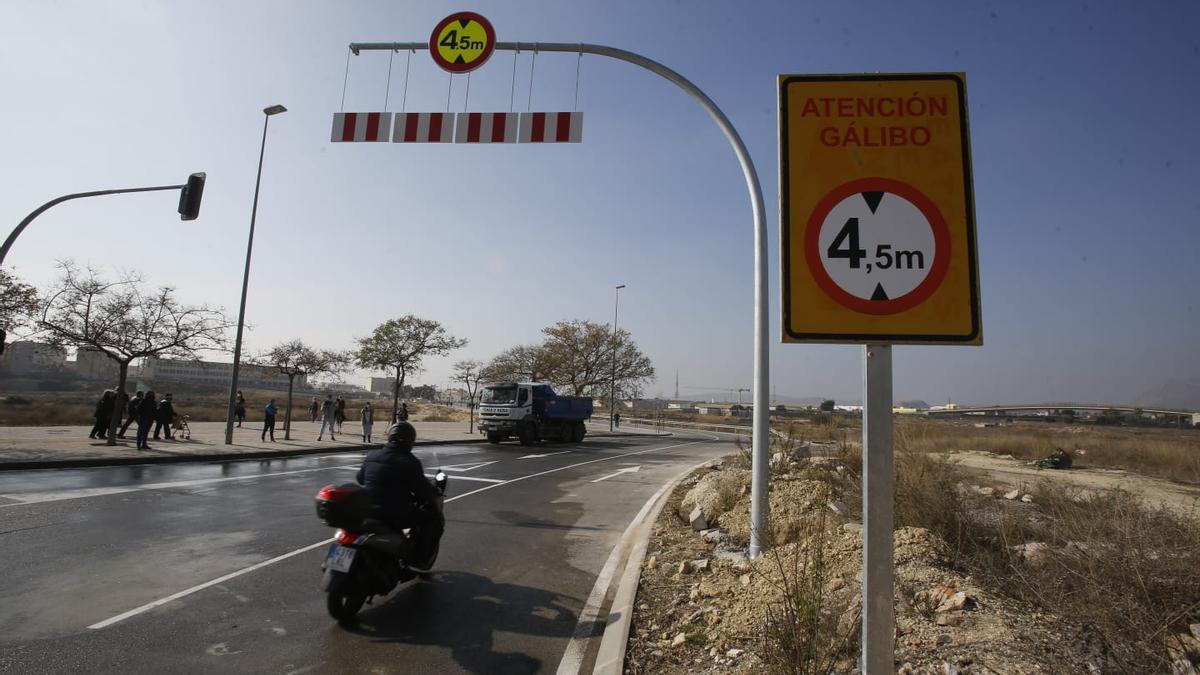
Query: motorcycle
point(368, 558)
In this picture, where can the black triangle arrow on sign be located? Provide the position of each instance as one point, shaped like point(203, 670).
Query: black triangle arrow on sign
point(460, 59)
point(873, 199)
point(464, 22)
point(879, 293)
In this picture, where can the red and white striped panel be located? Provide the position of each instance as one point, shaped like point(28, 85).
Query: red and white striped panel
point(486, 128)
point(540, 127)
point(371, 127)
point(423, 128)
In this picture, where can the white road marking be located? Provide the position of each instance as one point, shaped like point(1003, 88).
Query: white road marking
point(219, 580)
point(81, 493)
point(474, 478)
point(632, 469)
point(585, 628)
point(548, 454)
point(467, 467)
point(257, 566)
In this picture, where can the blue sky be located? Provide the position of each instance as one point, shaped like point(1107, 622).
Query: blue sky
point(1082, 120)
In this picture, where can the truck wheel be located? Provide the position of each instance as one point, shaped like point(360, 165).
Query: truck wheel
point(566, 433)
point(578, 432)
point(527, 435)
point(495, 437)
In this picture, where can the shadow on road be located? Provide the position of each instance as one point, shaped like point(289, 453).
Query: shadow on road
point(462, 612)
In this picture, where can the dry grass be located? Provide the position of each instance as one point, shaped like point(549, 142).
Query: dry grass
point(1164, 453)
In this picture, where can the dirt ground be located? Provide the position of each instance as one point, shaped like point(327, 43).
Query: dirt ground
point(702, 606)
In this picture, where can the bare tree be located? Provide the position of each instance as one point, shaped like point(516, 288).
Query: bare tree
point(523, 362)
point(295, 358)
point(401, 345)
point(18, 302)
point(469, 372)
point(125, 321)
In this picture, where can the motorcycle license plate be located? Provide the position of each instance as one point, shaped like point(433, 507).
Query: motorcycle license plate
point(339, 558)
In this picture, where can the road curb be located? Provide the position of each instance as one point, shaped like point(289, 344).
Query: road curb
point(212, 457)
point(610, 659)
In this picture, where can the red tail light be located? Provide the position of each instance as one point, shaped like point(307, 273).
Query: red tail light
point(330, 493)
point(345, 538)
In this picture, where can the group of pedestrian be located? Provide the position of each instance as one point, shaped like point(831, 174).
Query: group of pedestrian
point(144, 408)
point(104, 412)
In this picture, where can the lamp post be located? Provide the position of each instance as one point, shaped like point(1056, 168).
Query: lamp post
point(237, 344)
point(612, 391)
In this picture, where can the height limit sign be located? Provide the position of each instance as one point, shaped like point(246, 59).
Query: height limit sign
point(877, 214)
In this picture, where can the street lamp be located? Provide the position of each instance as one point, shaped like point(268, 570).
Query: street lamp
point(237, 344)
point(612, 391)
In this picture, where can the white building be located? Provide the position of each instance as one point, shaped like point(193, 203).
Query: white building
point(214, 373)
point(32, 358)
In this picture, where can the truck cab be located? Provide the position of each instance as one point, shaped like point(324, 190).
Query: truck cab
point(532, 411)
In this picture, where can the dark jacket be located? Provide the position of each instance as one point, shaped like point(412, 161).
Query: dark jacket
point(132, 407)
point(104, 407)
point(166, 412)
point(396, 481)
point(147, 409)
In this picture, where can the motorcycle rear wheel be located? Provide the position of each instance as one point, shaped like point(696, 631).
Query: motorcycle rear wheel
point(343, 606)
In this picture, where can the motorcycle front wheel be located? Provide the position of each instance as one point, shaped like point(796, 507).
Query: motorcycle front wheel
point(343, 606)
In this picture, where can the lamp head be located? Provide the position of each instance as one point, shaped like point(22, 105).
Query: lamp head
point(274, 110)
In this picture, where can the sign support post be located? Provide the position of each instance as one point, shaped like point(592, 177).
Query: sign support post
point(878, 489)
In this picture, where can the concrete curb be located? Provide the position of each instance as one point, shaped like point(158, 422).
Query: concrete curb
point(610, 659)
point(212, 457)
point(91, 462)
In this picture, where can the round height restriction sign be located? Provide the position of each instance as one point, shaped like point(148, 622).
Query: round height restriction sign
point(877, 246)
point(462, 42)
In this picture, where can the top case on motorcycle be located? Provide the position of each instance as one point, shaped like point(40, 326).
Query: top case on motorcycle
point(349, 506)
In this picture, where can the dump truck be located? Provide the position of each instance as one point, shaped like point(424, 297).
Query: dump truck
point(531, 412)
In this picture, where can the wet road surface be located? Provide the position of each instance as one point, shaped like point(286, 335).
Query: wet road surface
point(214, 567)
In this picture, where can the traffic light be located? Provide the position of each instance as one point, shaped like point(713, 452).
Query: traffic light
point(190, 195)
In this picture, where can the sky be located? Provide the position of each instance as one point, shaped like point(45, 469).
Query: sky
point(1082, 130)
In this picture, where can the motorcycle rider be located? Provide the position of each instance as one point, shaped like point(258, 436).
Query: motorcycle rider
point(398, 486)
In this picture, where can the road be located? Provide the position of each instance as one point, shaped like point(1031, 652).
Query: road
point(214, 567)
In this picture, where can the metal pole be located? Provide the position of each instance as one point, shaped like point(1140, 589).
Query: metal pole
point(12, 237)
point(878, 486)
point(237, 343)
point(612, 391)
point(759, 436)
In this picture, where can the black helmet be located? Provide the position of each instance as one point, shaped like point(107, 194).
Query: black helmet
point(401, 434)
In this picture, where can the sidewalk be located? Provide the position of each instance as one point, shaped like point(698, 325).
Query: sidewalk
point(63, 446)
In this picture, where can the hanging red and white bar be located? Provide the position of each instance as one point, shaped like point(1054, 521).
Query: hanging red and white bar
point(541, 127)
point(423, 128)
point(486, 128)
point(361, 127)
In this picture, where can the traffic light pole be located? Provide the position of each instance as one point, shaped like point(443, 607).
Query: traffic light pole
point(759, 435)
point(78, 195)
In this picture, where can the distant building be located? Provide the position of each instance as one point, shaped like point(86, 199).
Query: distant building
point(382, 385)
point(25, 358)
point(93, 364)
point(214, 373)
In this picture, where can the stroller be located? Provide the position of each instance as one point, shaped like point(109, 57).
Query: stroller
point(180, 423)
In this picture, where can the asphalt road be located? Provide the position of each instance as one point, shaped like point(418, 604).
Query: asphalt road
point(215, 567)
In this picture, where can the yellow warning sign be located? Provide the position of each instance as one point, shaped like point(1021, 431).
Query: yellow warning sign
point(462, 42)
point(877, 214)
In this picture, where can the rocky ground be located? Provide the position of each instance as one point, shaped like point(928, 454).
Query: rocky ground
point(702, 607)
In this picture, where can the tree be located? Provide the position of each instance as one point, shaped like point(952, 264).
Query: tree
point(581, 358)
point(401, 345)
point(827, 405)
point(18, 302)
point(469, 372)
point(125, 321)
point(294, 358)
point(518, 363)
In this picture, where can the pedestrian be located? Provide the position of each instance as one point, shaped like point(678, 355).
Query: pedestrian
point(103, 413)
point(339, 412)
point(367, 415)
point(402, 413)
point(617, 420)
point(239, 408)
point(328, 409)
point(164, 416)
point(131, 412)
point(269, 421)
point(313, 410)
point(147, 411)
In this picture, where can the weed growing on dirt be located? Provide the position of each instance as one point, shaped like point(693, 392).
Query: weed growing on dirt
point(804, 634)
